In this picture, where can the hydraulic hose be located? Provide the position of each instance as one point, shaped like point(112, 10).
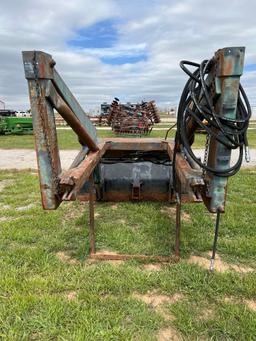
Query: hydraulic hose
point(197, 103)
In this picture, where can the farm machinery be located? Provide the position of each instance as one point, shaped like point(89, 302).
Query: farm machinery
point(137, 169)
point(11, 124)
point(128, 118)
point(134, 119)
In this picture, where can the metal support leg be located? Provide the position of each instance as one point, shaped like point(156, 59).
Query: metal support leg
point(177, 240)
point(92, 248)
point(215, 241)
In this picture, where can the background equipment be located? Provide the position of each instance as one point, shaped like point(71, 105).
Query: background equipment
point(11, 124)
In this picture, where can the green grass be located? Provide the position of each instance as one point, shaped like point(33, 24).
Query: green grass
point(68, 140)
point(35, 283)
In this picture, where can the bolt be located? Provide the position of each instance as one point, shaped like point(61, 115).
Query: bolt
point(52, 63)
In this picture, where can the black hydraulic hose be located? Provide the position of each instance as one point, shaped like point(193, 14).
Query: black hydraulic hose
point(196, 102)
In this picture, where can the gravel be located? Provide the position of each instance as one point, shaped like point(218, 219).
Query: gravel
point(26, 158)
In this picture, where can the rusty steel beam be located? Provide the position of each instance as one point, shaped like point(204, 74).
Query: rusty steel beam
point(69, 116)
point(118, 256)
point(79, 158)
point(46, 144)
point(40, 73)
point(72, 102)
point(92, 248)
point(139, 144)
point(178, 223)
point(73, 179)
point(191, 179)
point(39, 66)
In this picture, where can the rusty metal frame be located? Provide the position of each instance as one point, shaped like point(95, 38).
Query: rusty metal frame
point(187, 174)
point(48, 92)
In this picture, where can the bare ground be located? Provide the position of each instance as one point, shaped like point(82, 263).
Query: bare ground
point(219, 265)
point(251, 304)
point(65, 258)
point(26, 158)
point(157, 302)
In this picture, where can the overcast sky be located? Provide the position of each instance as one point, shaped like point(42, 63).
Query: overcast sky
point(124, 48)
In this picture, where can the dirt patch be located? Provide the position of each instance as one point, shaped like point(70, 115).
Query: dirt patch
point(25, 208)
point(114, 207)
point(168, 334)
point(71, 295)
point(251, 304)
point(185, 217)
point(5, 183)
point(228, 299)
point(5, 207)
point(156, 301)
point(3, 219)
point(219, 264)
point(62, 256)
point(207, 314)
point(96, 215)
point(152, 267)
point(201, 261)
point(171, 212)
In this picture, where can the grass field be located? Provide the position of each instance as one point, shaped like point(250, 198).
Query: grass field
point(68, 140)
point(49, 290)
